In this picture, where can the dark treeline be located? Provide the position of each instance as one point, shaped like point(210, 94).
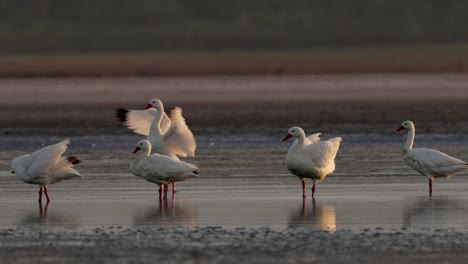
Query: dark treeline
point(61, 26)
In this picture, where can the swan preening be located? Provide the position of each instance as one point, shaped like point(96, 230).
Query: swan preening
point(160, 169)
point(168, 135)
point(429, 162)
point(308, 157)
point(46, 166)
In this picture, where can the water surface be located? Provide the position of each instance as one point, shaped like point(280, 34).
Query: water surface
point(243, 182)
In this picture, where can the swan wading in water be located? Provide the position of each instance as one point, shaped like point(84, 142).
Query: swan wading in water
point(160, 169)
point(308, 157)
point(429, 162)
point(168, 134)
point(46, 166)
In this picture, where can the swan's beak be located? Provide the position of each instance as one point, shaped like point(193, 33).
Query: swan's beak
point(288, 136)
point(148, 106)
point(136, 150)
point(400, 128)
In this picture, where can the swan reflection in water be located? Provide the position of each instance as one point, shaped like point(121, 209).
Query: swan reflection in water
point(435, 212)
point(177, 212)
point(314, 216)
point(45, 217)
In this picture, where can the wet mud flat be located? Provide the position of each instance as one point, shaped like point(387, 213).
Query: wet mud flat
point(244, 207)
point(325, 103)
point(218, 245)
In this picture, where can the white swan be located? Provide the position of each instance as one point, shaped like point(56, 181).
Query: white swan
point(175, 141)
point(160, 169)
point(429, 162)
point(46, 166)
point(168, 136)
point(310, 157)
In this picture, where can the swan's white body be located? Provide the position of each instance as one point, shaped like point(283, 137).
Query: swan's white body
point(429, 162)
point(46, 166)
point(160, 169)
point(168, 136)
point(310, 157)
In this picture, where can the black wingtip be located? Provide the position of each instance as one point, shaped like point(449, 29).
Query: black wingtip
point(121, 114)
point(73, 160)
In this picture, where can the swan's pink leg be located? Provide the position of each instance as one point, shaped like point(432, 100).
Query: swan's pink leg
point(303, 189)
point(160, 192)
point(313, 190)
point(166, 188)
point(173, 187)
point(430, 186)
point(40, 195)
point(46, 193)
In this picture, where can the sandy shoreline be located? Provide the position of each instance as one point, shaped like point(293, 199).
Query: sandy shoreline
point(219, 245)
point(328, 103)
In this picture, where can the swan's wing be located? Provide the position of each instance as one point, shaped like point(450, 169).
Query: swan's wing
point(314, 138)
point(168, 169)
point(309, 140)
point(47, 159)
point(179, 138)
point(321, 153)
point(172, 166)
point(139, 121)
point(435, 158)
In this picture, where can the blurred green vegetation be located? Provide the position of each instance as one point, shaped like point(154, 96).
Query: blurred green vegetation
point(65, 26)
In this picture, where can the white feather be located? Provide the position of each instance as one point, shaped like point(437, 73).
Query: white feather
point(139, 121)
point(309, 159)
point(160, 169)
point(429, 162)
point(45, 166)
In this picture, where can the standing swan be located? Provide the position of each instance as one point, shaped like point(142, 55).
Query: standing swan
point(175, 141)
point(168, 135)
point(429, 162)
point(160, 169)
point(46, 166)
point(310, 157)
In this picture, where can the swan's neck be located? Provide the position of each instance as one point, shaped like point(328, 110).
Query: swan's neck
point(156, 124)
point(301, 140)
point(409, 139)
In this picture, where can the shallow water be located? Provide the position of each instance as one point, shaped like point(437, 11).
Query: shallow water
point(243, 182)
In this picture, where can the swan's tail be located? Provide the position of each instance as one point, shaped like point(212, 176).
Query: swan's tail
point(68, 173)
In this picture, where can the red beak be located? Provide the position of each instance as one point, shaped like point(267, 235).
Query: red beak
point(148, 106)
point(136, 150)
point(288, 136)
point(400, 128)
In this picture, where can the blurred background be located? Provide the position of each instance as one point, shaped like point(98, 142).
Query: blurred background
point(154, 37)
point(269, 63)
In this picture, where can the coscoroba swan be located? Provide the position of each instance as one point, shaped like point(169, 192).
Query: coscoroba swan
point(429, 162)
point(160, 169)
point(310, 157)
point(177, 140)
point(46, 166)
point(168, 135)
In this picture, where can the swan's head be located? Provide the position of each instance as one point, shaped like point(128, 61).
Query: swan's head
point(293, 132)
point(156, 103)
point(406, 125)
point(17, 164)
point(144, 145)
